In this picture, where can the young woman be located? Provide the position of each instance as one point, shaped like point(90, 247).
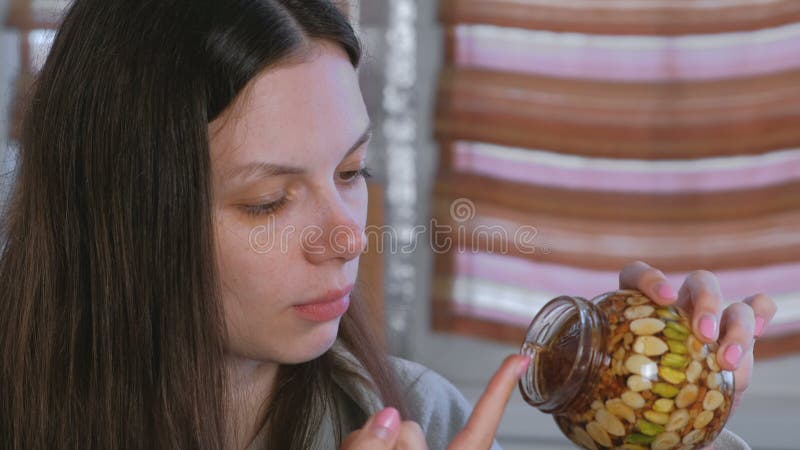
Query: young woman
point(138, 310)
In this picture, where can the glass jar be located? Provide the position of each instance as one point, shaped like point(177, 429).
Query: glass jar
point(621, 371)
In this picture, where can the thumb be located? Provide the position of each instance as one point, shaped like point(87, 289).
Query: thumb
point(380, 432)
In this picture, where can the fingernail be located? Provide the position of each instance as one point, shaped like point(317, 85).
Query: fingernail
point(665, 291)
point(708, 327)
point(733, 354)
point(523, 366)
point(385, 423)
point(760, 321)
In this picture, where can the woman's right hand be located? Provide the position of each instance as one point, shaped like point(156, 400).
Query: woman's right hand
point(386, 431)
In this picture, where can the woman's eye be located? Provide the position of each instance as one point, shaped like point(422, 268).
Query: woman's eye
point(266, 208)
point(351, 176)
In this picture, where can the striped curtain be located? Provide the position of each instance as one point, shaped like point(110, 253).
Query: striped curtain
point(579, 135)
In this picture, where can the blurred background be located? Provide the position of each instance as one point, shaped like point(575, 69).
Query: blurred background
point(530, 148)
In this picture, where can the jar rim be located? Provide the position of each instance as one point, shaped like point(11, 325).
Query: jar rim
point(545, 328)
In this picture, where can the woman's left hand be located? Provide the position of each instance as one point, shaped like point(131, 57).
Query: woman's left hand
point(735, 327)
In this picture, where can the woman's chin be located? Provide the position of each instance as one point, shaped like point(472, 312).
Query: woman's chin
point(313, 343)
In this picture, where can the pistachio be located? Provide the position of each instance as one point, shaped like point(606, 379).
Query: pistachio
point(703, 419)
point(677, 347)
point(672, 334)
point(664, 405)
point(675, 361)
point(650, 346)
point(610, 423)
point(599, 434)
point(656, 417)
point(638, 312)
point(713, 400)
point(666, 313)
point(711, 360)
point(638, 383)
point(713, 380)
point(639, 439)
point(671, 375)
point(641, 365)
point(686, 396)
point(618, 408)
point(665, 390)
point(693, 437)
point(647, 326)
point(581, 437)
point(677, 420)
point(693, 371)
point(633, 447)
point(679, 328)
point(633, 399)
point(666, 441)
point(649, 428)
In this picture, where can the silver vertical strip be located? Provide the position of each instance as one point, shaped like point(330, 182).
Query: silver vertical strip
point(399, 129)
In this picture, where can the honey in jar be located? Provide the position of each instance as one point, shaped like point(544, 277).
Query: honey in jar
point(623, 372)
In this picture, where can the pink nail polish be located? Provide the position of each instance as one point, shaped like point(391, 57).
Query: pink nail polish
point(708, 327)
point(733, 354)
point(760, 321)
point(385, 423)
point(665, 291)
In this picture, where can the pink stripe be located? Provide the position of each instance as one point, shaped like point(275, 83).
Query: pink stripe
point(492, 315)
point(760, 174)
point(781, 329)
point(558, 279)
point(737, 284)
point(517, 54)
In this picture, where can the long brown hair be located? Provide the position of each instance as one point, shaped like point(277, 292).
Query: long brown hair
point(111, 328)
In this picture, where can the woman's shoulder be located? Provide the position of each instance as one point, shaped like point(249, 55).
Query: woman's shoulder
point(433, 401)
point(425, 389)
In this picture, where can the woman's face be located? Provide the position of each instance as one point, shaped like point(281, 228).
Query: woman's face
point(290, 204)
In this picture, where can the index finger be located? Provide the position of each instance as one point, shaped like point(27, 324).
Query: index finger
point(482, 425)
point(650, 281)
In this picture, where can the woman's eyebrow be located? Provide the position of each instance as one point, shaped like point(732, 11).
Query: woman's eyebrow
point(264, 169)
point(363, 139)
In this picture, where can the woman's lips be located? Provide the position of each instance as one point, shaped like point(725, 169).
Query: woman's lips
point(325, 308)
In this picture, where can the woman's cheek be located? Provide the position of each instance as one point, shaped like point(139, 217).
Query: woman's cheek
point(361, 204)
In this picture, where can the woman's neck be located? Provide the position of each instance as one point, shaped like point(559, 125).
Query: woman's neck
point(249, 386)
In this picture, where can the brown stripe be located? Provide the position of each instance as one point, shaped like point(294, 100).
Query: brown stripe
point(621, 120)
point(614, 206)
point(21, 17)
point(446, 319)
point(564, 217)
point(602, 19)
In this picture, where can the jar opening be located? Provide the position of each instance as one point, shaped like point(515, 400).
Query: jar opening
point(562, 341)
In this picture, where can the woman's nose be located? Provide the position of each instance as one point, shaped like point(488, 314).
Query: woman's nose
point(341, 236)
